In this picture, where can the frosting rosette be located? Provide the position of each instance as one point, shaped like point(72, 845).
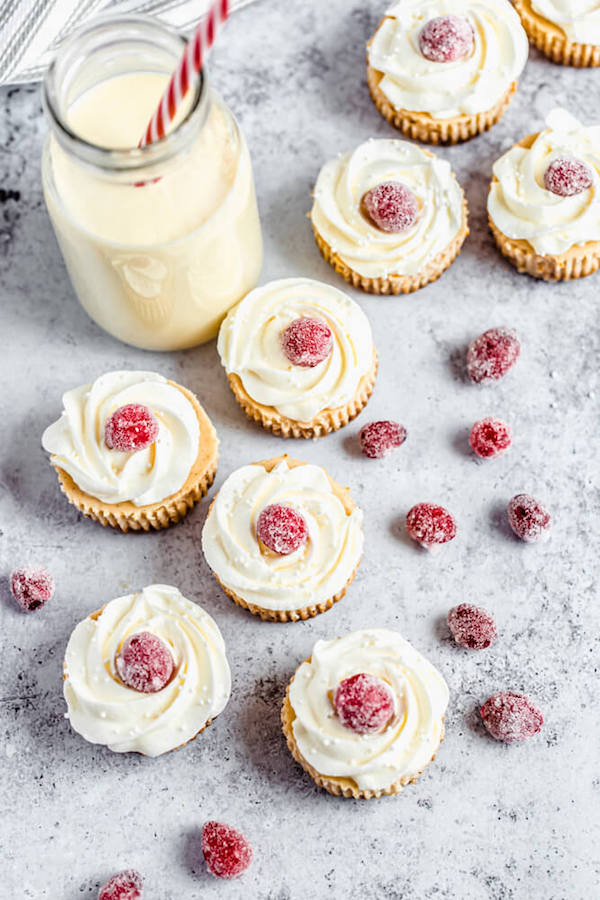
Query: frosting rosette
point(578, 19)
point(522, 208)
point(317, 571)
point(338, 217)
point(250, 346)
point(105, 711)
point(77, 446)
point(469, 85)
point(409, 741)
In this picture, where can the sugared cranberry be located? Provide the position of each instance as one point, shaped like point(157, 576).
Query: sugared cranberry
point(363, 703)
point(131, 427)
point(145, 663)
point(566, 176)
point(391, 206)
point(446, 39)
point(226, 850)
point(307, 342)
point(490, 437)
point(379, 439)
point(31, 586)
point(430, 525)
point(509, 717)
point(472, 627)
point(529, 519)
point(126, 885)
point(281, 529)
point(492, 354)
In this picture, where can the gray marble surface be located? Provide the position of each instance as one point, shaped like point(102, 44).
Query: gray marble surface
point(486, 821)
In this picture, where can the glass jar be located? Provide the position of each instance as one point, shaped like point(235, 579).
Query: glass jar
point(159, 241)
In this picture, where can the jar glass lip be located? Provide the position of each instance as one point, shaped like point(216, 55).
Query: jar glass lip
point(133, 159)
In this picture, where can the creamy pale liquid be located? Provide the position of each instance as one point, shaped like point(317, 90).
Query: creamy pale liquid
point(157, 266)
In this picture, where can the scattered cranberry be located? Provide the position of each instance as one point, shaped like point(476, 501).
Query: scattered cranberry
point(490, 437)
point(472, 627)
point(145, 663)
point(509, 717)
point(363, 703)
point(281, 529)
point(446, 39)
point(226, 850)
point(130, 428)
point(529, 519)
point(391, 206)
point(430, 525)
point(124, 886)
point(307, 342)
point(31, 586)
point(567, 177)
point(492, 354)
point(379, 439)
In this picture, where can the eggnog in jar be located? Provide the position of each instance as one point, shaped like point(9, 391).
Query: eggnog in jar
point(159, 241)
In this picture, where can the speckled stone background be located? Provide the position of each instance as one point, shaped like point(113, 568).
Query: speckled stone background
point(486, 821)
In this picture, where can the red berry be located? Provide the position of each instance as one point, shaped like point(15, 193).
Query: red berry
point(492, 354)
point(145, 663)
point(226, 850)
point(31, 586)
point(490, 437)
point(132, 427)
point(307, 342)
point(379, 439)
point(566, 177)
point(363, 703)
point(529, 519)
point(509, 717)
point(126, 885)
point(430, 525)
point(281, 529)
point(446, 39)
point(472, 627)
point(391, 206)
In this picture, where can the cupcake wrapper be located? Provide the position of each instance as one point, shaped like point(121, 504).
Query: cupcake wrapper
point(398, 284)
point(553, 42)
point(325, 422)
point(420, 126)
point(341, 787)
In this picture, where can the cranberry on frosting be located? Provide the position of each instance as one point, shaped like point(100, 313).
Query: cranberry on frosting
point(391, 206)
point(446, 39)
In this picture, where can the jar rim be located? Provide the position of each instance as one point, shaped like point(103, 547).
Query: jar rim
point(134, 159)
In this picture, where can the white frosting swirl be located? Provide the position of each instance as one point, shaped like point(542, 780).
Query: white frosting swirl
point(470, 85)
point(522, 208)
point(405, 746)
point(579, 19)
point(76, 440)
point(250, 346)
point(312, 574)
point(366, 249)
point(105, 711)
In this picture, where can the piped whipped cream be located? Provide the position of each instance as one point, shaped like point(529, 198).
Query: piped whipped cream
point(521, 207)
point(250, 346)
point(405, 746)
point(579, 19)
point(366, 249)
point(315, 572)
point(469, 85)
point(76, 441)
point(105, 711)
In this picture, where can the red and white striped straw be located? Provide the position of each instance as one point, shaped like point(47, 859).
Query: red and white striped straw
point(190, 65)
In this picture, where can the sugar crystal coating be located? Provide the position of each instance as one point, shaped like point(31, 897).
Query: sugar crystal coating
point(307, 342)
point(509, 717)
point(446, 39)
point(492, 355)
point(379, 439)
point(363, 703)
point(125, 885)
point(281, 529)
point(566, 176)
point(130, 428)
point(529, 519)
point(145, 663)
point(490, 437)
point(391, 206)
point(226, 851)
point(472, 627)
point(430, 525)
point(31, 586)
